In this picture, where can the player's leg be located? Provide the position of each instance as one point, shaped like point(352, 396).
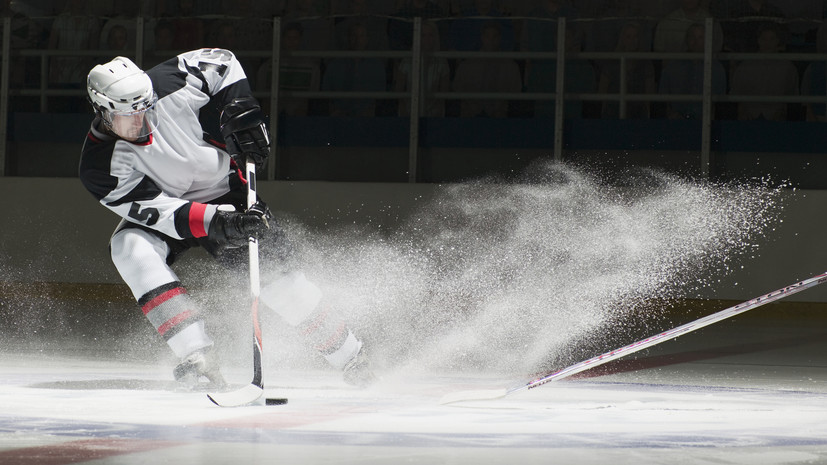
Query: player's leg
point(140, 255)
point(300, 303)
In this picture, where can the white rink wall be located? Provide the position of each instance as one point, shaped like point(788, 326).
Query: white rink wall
point(54, 231)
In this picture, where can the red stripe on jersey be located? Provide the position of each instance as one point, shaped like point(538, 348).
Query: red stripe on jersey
point(174, 321)
point(162, 298)
point(197, 211)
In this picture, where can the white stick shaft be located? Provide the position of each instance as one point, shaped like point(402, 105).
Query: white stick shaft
point(255, 282)
point(255, 286)
point(251, 392)
point(675, 332)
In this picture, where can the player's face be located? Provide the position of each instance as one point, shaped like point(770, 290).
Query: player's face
point(129, 127)
point(136, 124)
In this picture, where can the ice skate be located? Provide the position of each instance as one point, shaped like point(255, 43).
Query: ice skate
point(196, 365)
point(357, 371)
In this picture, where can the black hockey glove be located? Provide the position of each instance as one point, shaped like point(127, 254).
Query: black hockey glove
point(234, 229)
point(244, 132)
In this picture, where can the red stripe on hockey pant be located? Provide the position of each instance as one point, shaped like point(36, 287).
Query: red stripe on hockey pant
point(174, 321)
point(149, 306)
point(196, 219)
point(335, 341)
point(317, 322)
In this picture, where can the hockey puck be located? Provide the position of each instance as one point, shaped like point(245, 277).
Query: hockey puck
point(275, 401)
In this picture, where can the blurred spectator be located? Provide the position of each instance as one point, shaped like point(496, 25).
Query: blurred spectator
point(814, 81)
point(295, 73)
point(517, 7)
point(670, 33)
point(374, 7)
point(579, 78)
point(124, 20)
point(244, 26)
point(686, 77)
point(589, 10)
point(355, 74)
point(400, 31)
point(252, 23)
point(436, 76)
point(540, 35)
point(445, 5)
point(606, 31)
point(639, 76)
point(160, 43)
point(746, 18)
point(224, 34)
point(174, 8)
point(765, 77)
point(189, 30)
point(487, 75)
point(465, 31)
point(118, 40)
point(25, 34)
point(659, 8)
point(357, 11)
point(74, 29)
point(719, 9)
point(314, 16)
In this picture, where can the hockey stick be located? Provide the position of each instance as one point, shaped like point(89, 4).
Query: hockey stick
point(639, 345)
point(251, 392)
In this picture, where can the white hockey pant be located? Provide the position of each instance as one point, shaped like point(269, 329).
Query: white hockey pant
point(299, 302)
point(140, 258)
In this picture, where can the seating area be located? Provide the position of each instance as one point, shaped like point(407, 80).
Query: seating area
point(672, 83)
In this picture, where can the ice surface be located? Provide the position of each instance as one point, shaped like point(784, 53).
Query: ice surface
point(727, 409)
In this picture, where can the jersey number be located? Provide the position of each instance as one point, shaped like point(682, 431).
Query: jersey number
point(148, 216)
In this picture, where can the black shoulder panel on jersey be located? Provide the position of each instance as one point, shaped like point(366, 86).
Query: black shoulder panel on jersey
point(93, 170)
point(167, 78)
point(210, 114)
point(147, 189)
point(238, 89)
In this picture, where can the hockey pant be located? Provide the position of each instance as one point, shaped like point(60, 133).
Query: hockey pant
point(143, 257)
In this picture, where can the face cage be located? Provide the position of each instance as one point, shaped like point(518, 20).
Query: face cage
point(133, 124)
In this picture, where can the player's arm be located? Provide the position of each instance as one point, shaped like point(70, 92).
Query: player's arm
point(139, 200)
point(241, 120)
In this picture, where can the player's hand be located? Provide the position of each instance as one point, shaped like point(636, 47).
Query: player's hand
point(234, 229)
point(244, 131)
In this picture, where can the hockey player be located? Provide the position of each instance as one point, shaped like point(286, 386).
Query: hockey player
point(165, 152)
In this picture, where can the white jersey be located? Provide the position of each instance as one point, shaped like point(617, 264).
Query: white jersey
point(165, 181)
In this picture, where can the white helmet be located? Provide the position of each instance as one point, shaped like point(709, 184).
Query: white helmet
point(123, 95)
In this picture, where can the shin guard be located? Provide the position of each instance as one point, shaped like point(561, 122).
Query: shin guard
point(175, 316)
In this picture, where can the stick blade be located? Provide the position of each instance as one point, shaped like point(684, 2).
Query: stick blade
point(464, 396)
point(244, 396)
